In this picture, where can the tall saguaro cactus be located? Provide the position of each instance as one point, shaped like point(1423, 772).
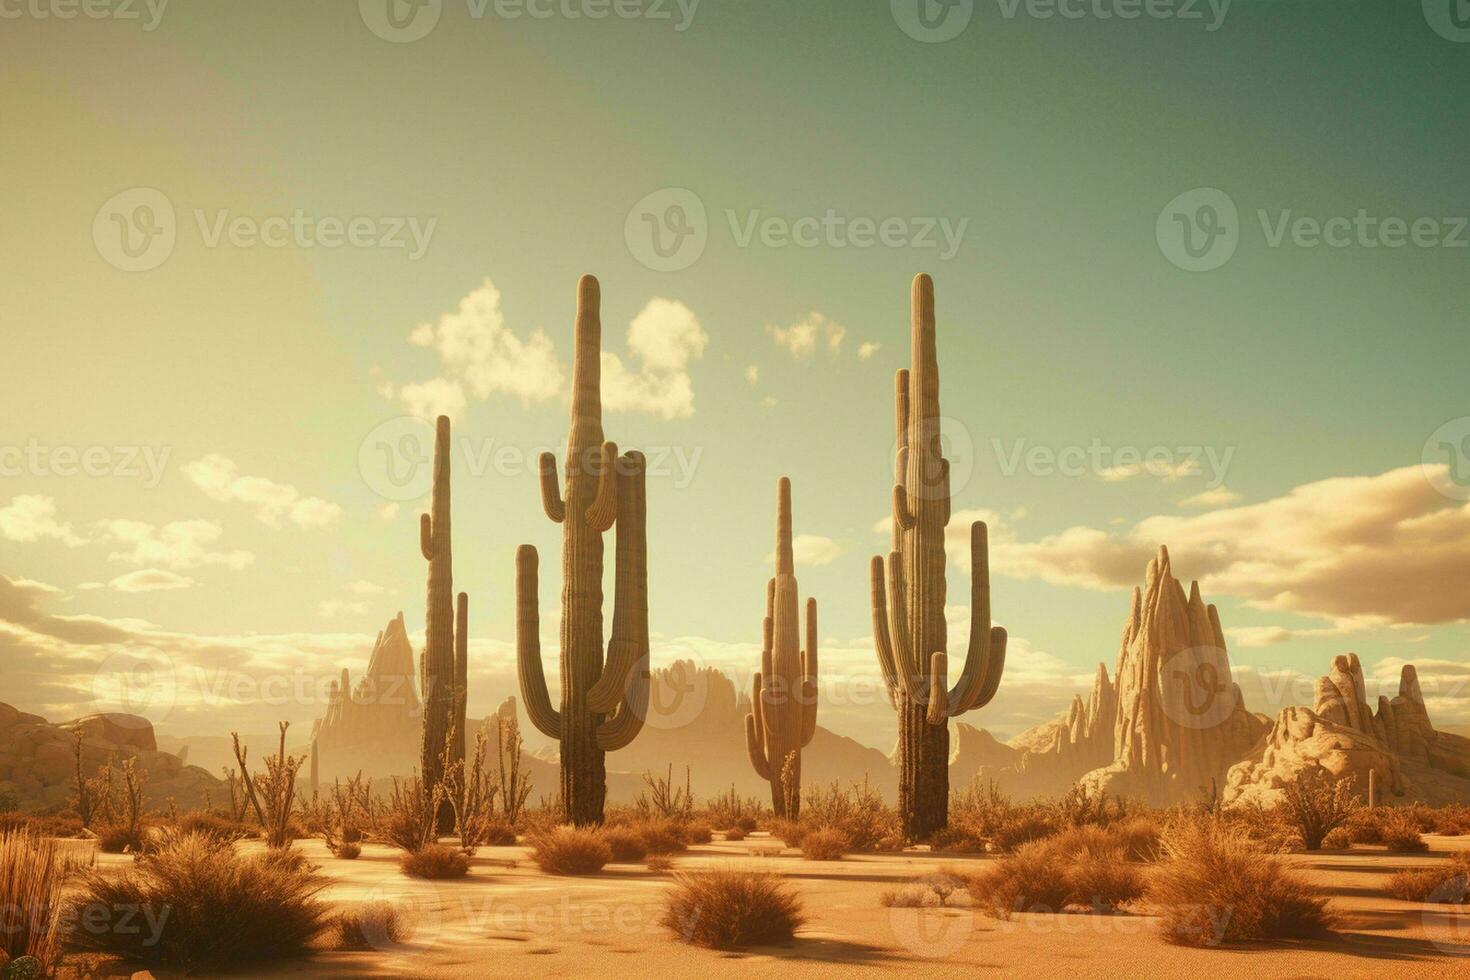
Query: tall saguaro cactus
point(908, 602)
point(603, 700)
point(443, 665)
point(783, 697)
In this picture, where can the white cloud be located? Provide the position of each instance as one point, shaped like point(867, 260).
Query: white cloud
point(433, 398)
point(663, 339)
point(801, 338)
point(1165, 469)
point(1379, 549)
point(1218, 497)
point(867, 349)
point(177, 545)
point(753, 374)
point(30, 517)
point(480, 356)
point(273, 502)
point(364, 587)
point(331, 608)
point(150, 580)
point(812, 549)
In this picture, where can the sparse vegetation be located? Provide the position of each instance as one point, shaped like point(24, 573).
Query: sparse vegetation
point(825, 844)
point(661, 836)
point(732, 909)
point(1315, 804)
point(663, 799)
point(33, 871)
point(223, 909)
point(410, 818)
point(569, 850)
point(1218, 887)
point(626, 844)
point(1398, 831)
point(370, 925)
point(436, 862)
point(1446, 883)
point(1076, 869)
point(272, 792)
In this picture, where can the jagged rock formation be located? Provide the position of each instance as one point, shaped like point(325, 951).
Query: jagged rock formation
point(783, 699)
point(909, 628)
point(603, 702)
point(38, 762)
point(375, 727)
point(1397, 746)
point(1169, 724)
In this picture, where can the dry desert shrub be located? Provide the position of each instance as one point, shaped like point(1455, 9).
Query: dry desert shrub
point(1217, 886)
point(371, 925)
point(824, 844)
point(349, 851)
point(435, 862)
point(661, 836)
point(410, 817)
point(1398, 830)
point(1447, 883)
point(731, 810)
point(857, 811)
point(788, 832)
point(659, 862)
point(1315, 803)
point(958, 838)
point(732, 909)
point(33, 871)
point(1337, 839)
point(908, 897)
point(569, 850)
point(1080, 869)
point(204, 907)
point(698, 833)
point(625, 843)
point(211, 824)
point(735, 834)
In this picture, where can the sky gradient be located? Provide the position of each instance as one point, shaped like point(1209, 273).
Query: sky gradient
point(1308, 378)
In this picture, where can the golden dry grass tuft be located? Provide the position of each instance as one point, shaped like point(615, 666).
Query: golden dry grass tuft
point(370, 925)
point(33, 872)
point(204, 907)
point(1445, 883)
point(825, 844)
point(732, 909)
point(568, 850)
point(1218, 887)
point(435, 862)
point(626, 844)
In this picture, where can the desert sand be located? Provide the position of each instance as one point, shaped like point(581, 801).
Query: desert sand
point(508, 919)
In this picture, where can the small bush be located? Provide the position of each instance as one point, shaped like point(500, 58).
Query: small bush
point(1399, 832)
point(226, 910)
point(1337, 839)
point(698, 833)
point(1217, 887)
point(349, 851)
point(570, 850)
point(371, 925)
point(1447, 883)
point(732, 909)
point(1033, 879)
point(958, 839)
point(210, 825)
point(824, 844)
point(659, 862)
point(909, 897)
point(33, 871)
point(857, 811)
point(1316, 802)
point(625, 843)
point(1021, 829)
point(788, 832)
point(735, 834)
point(1104, 881)
point(662, 836)
point(1362, 826)
point(435, 862)
point(118, 839)
point(500, 833)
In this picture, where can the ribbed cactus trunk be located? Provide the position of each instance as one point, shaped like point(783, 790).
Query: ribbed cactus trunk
point(909, 627)
point(783, 697)
point(436, 664)
point(602, 704)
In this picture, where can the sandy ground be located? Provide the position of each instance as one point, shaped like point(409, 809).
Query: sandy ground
point(507, 919)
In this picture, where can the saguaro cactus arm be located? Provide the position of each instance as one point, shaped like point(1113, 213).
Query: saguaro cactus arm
point(426, 536)
point(881, 640)
point(528, 645)
point(905, 663)
point(809, 676)
point(604, 508)
point(551, 499)
point(628, 648)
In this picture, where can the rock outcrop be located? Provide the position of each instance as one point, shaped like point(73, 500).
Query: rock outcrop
point(376, 726)
point(38, 762)
point(1342, 735)
point(1169, 724)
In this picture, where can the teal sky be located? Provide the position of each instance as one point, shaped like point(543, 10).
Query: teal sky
point(529, 141)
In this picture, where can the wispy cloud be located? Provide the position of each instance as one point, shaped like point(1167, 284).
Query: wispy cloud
point(273, 502)
point(31, 517)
